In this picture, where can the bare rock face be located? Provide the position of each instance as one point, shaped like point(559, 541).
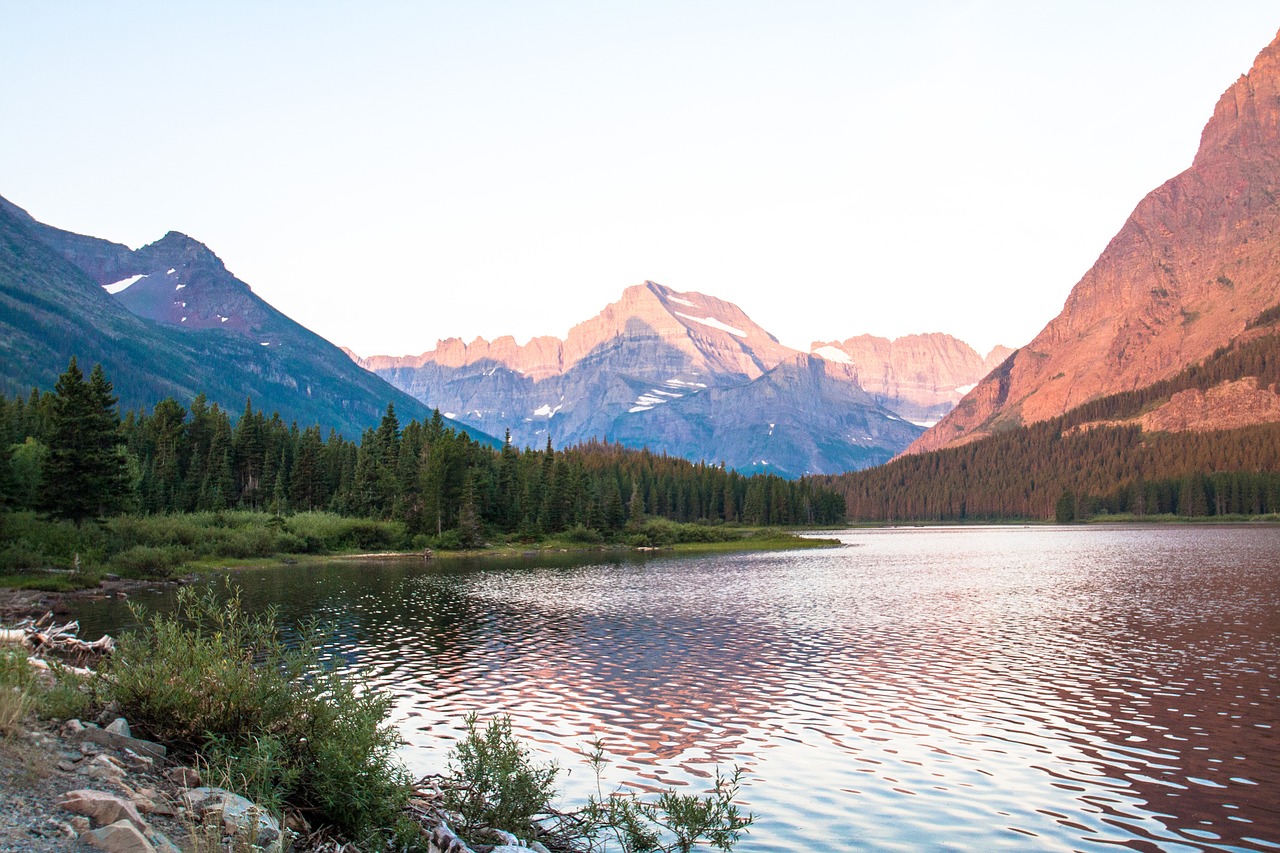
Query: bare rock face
point(684, 373)
point(715, 336)
point(1195, 261)
point(920, 377)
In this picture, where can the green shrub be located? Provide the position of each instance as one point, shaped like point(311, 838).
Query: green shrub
point(150, 561)
point(582, 533)
point(324, 532)
point(659, 532)
point(672, 823)
point(66, 697)
point(22, 556)
point(495, 782)
point(258, 768)
point(15, 672)
point(213, 680)
point(449, 540)
point(32, 542)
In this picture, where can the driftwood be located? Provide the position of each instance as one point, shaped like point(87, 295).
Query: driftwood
point(43, 636)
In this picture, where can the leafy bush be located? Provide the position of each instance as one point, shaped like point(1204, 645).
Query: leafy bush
point(258, 768)
point(582, 533)
point(213, 680)
point(673, 822)
point(449, 540)
point(325, 532)
point(150, 561)
point(495, 781)
point(249, 542)
point(15, 672)
point(659, 532)
point(32, 542)
point(64, 697)
point(22, 556)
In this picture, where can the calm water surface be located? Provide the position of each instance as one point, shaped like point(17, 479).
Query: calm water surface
point(917, 689)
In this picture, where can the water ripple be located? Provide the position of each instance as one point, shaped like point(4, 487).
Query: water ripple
point(1001, 688)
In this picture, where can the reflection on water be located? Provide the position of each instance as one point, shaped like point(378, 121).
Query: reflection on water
point(1015, 688)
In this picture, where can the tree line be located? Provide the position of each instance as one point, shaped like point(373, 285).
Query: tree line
point(1062, 469)
point(68, 453)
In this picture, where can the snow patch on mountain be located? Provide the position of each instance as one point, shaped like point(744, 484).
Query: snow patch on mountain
point(713, 323)
point(120, 285)
point(835, 354)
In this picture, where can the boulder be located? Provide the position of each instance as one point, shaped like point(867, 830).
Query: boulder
point(103, 807)
point(119, 837)
point(119, 741)
point(186, 777)
point(240, 817)
point(119, 726)
point(134, 761)
point(104, 767)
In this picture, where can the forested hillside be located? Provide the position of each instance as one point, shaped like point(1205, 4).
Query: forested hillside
point(432, 478)
point(1096, 458)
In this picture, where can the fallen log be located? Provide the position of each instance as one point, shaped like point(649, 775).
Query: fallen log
point(42, 636)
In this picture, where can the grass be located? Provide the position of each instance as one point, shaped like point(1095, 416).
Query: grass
point(58, 556)
point(40, 553)
point(15, 704)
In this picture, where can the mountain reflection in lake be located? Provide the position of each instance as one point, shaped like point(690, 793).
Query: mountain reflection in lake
point(1016, 688)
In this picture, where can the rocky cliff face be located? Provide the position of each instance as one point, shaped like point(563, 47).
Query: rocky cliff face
point(920, 377)
point(702, 333)
point(1196, 260)
point(685, 373)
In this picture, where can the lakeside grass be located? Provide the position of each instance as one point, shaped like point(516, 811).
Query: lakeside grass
point(58, 556)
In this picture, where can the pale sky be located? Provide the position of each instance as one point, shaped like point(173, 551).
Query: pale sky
point(393, 173)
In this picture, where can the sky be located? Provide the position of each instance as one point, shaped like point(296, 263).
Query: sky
point(393, 173)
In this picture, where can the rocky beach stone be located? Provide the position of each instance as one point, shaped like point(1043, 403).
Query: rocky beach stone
point(119, 741)
point(241, 818)
point(119, 837)
point(100, 806)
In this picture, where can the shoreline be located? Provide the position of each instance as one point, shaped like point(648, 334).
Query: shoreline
point(17, 604)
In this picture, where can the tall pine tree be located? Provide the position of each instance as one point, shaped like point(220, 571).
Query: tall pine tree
point(85, 474)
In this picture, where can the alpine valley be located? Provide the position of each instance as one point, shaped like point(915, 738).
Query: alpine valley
point(693, 376)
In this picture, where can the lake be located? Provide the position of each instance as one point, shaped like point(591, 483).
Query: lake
point(1019, 688)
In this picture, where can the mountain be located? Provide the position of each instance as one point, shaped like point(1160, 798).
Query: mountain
point(1194, 264)
point(682, 373)
point(920, 377)
point(168, 319)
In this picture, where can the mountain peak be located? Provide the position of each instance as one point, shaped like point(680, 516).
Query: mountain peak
point(175, 247)
point(1246, 120)
point(1193, 263)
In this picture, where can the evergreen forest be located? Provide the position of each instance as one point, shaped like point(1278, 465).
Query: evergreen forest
point(69, 454)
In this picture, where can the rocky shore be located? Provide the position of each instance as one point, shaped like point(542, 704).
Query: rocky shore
point(82, 786)
point(79, 786)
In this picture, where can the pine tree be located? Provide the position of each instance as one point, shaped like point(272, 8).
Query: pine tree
point(84, 476)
